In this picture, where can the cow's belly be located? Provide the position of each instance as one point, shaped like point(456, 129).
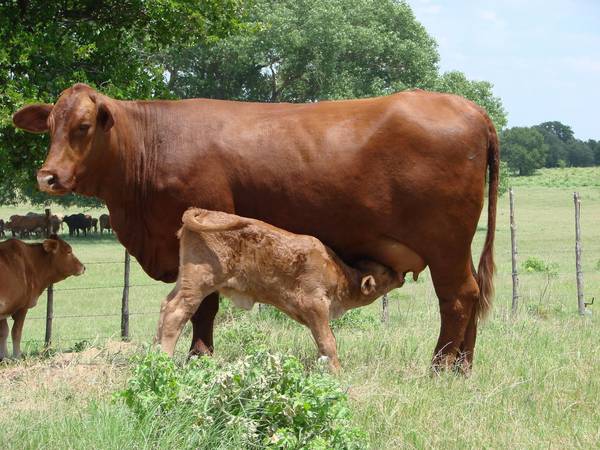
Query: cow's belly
point(393, 254)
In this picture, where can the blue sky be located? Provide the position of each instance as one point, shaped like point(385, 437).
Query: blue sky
point(543, 57)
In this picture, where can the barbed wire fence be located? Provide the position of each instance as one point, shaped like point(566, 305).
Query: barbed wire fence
point(126, 286)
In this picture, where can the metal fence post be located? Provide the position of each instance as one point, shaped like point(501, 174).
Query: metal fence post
point(514, 253)
point(385, 313)
point(49, 292)
point(125, 301)
point(580, 299)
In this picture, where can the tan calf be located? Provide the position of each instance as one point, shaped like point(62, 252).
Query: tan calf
point(25, 271)
point(251, 261)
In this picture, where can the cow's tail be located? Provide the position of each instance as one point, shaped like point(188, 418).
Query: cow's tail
point(485, 271)
point(203, 221)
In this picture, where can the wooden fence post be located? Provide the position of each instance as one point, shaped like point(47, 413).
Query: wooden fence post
point(49, 292)
point(580, 299)
point(385, 313)
point(125, 300)
point(514, 253)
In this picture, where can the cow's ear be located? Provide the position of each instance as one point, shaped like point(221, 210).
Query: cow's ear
point(33, 118)
point(105, 116)
point(50, 245)
point(368, 285)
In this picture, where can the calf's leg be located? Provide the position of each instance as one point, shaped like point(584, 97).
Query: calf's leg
point(3, 338)
point(318, 322)
point(175, 314)
point(17, 331)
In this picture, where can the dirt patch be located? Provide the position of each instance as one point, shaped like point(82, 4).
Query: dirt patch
point(39, 384)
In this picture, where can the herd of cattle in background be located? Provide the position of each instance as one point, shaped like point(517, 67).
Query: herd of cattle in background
point(34, 224)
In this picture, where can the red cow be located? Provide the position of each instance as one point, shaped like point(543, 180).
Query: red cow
point(399, 180)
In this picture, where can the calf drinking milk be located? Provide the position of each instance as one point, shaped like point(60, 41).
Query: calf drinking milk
point(25, 271)
point(251, 261)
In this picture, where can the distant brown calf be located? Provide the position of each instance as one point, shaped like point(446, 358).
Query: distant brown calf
point(104, 220)
point(25, 271)
point(251, 261)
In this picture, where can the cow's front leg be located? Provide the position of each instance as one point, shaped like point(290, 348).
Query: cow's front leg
point(3, 338)
point(17, 331)
point(202, 324)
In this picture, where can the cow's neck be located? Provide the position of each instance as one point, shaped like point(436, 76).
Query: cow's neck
point(126, 179)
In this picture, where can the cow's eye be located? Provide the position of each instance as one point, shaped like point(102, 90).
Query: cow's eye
point(84, 127)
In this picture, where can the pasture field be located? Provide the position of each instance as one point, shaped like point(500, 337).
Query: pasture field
point(535, 382)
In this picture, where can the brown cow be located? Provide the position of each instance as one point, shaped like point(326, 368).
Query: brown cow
point(28, 224)
point(25, 271)
point(389, 179)
point(250, 261)
point(104, 221)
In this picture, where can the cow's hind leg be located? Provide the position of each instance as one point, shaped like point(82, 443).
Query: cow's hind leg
point(467, 348)
point(202, 324)
point(458, 294)
point(3, 338)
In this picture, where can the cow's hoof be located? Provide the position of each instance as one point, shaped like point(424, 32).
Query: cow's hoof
point(199, 349)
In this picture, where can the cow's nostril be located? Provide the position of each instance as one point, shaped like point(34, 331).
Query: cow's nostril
point(50, 179)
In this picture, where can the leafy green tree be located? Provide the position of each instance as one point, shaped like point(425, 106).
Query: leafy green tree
point(580, 154)
point(563, 148)
point(558, 129)
point(308, 50)
point(595, 146)
point(523, 149)
point(120, 46)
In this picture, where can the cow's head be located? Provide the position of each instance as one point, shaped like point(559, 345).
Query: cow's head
point(80, 119)
point(63, 262)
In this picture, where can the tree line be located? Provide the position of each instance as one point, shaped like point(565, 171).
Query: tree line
point(549, 144)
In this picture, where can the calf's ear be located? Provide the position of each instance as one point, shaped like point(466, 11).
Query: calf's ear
point(50, 245)
point(33, 118)
point(368, 285)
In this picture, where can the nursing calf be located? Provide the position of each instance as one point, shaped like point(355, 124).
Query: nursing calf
point(25, 271)
point(251, 261)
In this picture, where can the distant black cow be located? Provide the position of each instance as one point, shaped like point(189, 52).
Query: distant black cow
point(2, 234)
point(78, 222)
point(104, 220)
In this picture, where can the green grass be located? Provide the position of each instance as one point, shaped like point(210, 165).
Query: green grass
point(534, 383)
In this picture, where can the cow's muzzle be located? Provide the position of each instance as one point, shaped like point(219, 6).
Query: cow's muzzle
point(49, 182)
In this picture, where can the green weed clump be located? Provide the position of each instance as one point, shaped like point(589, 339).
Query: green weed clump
point(263, 400)
point(534, 264)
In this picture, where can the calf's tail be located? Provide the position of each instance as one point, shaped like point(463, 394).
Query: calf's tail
point(203, 221)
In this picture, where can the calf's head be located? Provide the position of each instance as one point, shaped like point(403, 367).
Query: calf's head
point(79, 121)
point(62, 260)
point(377, 279)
